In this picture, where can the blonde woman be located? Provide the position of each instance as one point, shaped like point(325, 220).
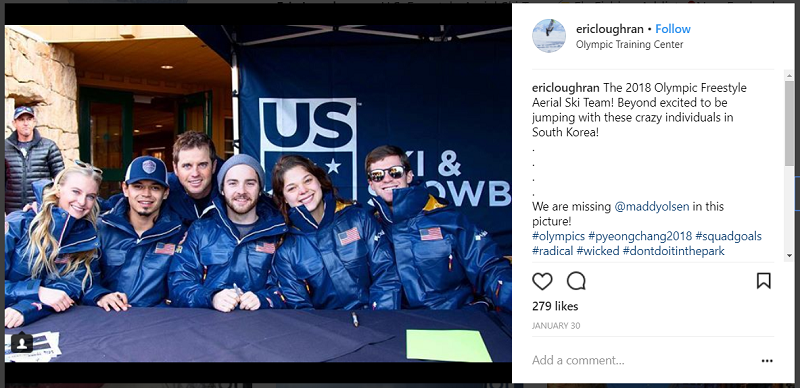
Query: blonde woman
point(49, 254)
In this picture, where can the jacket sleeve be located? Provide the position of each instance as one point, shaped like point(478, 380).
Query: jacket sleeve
point(54, 161)
point(486, 268)
point(32, 310)
point(292, 288)
point(24, 289)
point(384, 292)
point(186, 287)
point(108, 204)
point(96, 291)
point(271, 297)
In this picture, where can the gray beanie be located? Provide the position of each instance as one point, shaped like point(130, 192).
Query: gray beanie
point(237, 160)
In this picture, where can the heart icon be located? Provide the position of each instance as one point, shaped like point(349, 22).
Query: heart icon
point(542, 280)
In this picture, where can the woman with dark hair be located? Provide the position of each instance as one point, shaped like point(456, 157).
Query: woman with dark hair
point(334, 255)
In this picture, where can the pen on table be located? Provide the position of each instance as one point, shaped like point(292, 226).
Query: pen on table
point(355, 319)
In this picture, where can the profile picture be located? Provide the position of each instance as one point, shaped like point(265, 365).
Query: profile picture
point(549, 35)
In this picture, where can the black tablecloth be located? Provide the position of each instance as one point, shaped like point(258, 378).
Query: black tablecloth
point(175, 334)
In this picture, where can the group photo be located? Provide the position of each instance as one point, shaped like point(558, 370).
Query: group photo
point(258, 193)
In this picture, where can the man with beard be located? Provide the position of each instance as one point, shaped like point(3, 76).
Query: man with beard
point(226, 260)
point(137, 240)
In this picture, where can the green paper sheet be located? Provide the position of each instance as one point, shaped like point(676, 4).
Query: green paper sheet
point(446, 345)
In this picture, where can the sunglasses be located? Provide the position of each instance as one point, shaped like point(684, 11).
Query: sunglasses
point(395, 172)
point(87, 165)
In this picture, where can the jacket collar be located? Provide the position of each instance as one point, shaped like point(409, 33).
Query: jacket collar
point(38, 189)
point(302, 219)
point(270, 221)
point(384, 214)
point(184, 204)
point(167, 223)
point(14, 139)
point(407, 203)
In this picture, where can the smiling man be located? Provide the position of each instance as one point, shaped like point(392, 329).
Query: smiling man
point(193, 180)
point(226, 260)
point(441, 256)
point(138, 237)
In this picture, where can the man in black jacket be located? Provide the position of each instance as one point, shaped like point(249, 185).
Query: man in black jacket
point(30, 158)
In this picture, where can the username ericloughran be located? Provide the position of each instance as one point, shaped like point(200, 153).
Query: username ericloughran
point(615, 30)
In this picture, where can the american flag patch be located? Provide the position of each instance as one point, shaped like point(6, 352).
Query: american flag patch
point(430, 234)
point(349, 236)
point(265, 248)
point(165, 249)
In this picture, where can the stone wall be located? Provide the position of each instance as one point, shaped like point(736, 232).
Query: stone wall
point(42, 75)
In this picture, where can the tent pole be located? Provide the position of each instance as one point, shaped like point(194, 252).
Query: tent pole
point(379, 33)
point(320, 30)
point(465, 36)
point(235, 96)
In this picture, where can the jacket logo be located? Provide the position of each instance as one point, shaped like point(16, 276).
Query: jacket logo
point(165, 249)
point(149, 166)
point(265, 248)
point(349, 236)
point(430, 234)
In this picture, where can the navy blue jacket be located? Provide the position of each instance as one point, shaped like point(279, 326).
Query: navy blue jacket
point(73, 235)
point(136, 266)
point(441, 256)
point(214, 256)
point(342, 263)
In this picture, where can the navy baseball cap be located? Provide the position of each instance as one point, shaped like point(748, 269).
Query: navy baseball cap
point(23, 110)
point(147, 168)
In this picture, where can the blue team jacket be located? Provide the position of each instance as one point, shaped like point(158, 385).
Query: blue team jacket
point(136, 266)
point(214, 256)
point(344, 262)
point(441, 256)
point(73, 235)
